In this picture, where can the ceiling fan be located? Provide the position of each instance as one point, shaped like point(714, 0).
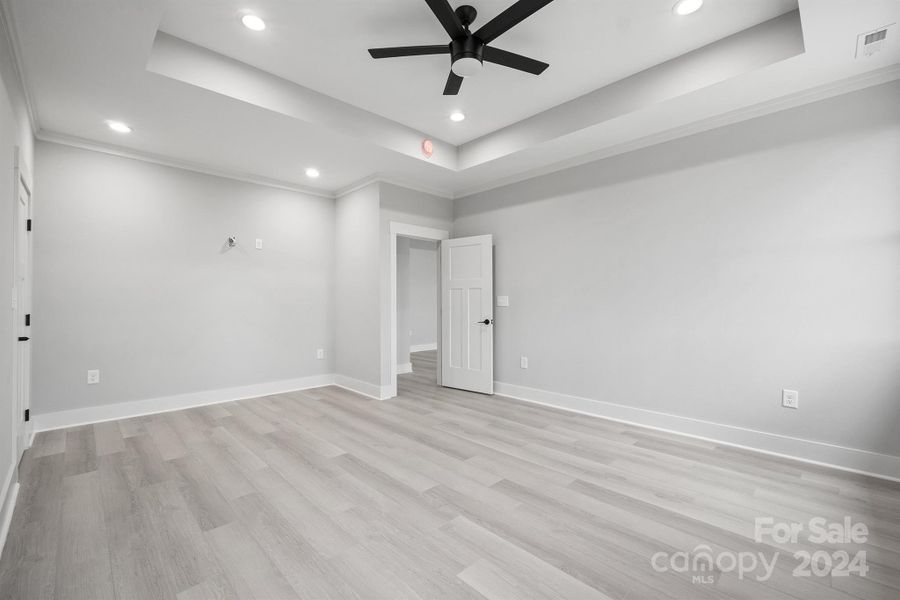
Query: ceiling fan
point(468, 50)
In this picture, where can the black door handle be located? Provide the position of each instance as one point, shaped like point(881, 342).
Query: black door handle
point(23, 339)
point(485, 322)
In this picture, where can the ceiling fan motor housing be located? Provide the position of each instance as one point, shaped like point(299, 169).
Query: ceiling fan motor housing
point(467, 55)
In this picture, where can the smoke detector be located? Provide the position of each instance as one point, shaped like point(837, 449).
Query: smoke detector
point(870, 42)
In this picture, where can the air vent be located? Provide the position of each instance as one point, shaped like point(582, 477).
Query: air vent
point(870, 42)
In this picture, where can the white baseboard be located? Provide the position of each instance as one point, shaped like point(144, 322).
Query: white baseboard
point(423, 347)
point(365, 388)
point(8, 495)
point(404, 368)
point(819, 453)
point(137, 408)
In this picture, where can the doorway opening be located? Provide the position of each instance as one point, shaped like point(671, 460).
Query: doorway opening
point(406, 234)
point(417, 312)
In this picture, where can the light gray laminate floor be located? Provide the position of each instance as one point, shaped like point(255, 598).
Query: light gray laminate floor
point(436, 494)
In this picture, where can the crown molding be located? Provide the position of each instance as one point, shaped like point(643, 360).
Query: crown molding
point(848, 85)
point(85, 144)
point(823, 92)
point(8, 22)
point(381, 178)
point(167, 161)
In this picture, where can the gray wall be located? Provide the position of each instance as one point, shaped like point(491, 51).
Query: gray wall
point(133, 278)
point(423, 302)
point(357, 321)
point(702, 276)
point(404, 295)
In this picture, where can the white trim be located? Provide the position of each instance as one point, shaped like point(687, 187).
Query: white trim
point(177, 163)
point(380, 178)
point(137, 408)
point(423, 347)
point(404, 368)
point(8, 496)
point(412, 231)
point(853, 460)
point(800, 98)
point(365, 388)
point(8, 25)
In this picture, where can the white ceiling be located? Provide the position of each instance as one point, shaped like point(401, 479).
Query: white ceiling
point(588, 43)
point(85, 62)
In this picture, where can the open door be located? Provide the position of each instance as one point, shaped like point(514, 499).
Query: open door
point(467, 321)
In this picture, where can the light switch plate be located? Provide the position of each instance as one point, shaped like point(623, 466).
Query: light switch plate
point(790, 398)
point(502, 300)
point(320, 353)
point(523, 362)
point(258, 244)
point(93, 376)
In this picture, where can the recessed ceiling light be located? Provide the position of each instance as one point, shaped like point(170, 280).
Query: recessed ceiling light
point(686, 7)
point(253, 22)
point(119, 126)
point(312, 172)
point(457, 116)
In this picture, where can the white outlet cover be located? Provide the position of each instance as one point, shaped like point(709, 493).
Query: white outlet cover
point(320, 354)
point(502, 300)
point(523, 362)
point(93, 376)
point(790, 398)
point(258, 244)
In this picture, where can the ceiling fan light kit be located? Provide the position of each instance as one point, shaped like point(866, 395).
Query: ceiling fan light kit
point(468, 50)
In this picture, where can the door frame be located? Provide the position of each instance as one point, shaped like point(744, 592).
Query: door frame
point(23, 430)
point(417, 232)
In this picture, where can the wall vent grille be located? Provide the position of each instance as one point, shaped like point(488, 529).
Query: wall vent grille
point(870, 42)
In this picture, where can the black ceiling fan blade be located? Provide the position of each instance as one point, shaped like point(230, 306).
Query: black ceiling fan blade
point(408, 51)
point(509, 18)
point(447, 17)
point(454, 82)
point(514, 61)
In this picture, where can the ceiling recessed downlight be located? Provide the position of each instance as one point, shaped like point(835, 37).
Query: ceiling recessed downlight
point(312, 172)
point(253, 22)
point(118, 126)
point(686, 7)
point(457, 116)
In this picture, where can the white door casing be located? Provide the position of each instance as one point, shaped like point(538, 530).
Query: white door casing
point(467, 329)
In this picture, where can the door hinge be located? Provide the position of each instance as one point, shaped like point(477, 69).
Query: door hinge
point(28, 320)
point(23, 338)
point(27, 414)
point(28, 225)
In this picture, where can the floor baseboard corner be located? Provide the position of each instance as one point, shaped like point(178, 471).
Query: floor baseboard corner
point(853, 460)
point(423, 347)
point(136, 408)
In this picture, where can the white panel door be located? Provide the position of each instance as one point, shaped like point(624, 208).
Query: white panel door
point(22, 316)
point(467, 320)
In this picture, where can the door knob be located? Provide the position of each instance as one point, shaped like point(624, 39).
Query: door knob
point(485, 322)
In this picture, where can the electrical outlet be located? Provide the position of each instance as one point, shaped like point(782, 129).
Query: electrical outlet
point(523, 362)
point(258, 244)
point(93, 376)
point(790, 398)
point(502, 300)
point(320, 353)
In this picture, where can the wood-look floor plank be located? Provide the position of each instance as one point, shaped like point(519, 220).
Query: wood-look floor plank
point(83, 569)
